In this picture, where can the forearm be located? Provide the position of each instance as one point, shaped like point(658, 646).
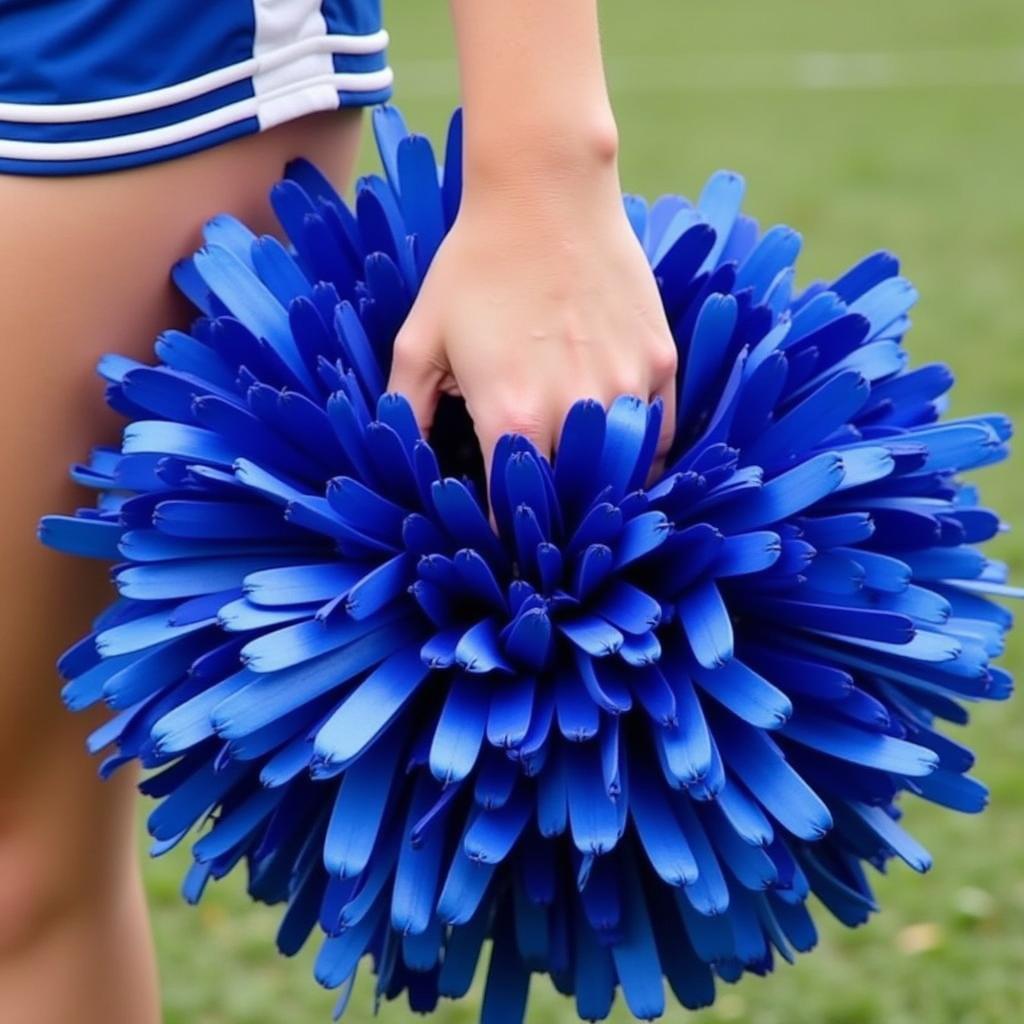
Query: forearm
point(533, 89)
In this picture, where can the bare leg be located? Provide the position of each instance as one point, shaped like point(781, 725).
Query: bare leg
point(84, 270)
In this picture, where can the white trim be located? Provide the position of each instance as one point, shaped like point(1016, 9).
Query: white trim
point(261, 64)
point(306, 97)
point(276, 23)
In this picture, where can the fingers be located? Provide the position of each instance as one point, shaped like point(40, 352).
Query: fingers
point(419, 373)
point(416, 373)
point(540, 418)
point(648, 375)
point(511, 414)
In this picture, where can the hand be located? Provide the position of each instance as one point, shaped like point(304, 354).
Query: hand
point(540, 295)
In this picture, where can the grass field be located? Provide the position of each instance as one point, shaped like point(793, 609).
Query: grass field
point(882, 122)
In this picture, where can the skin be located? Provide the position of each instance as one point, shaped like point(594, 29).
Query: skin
point(539, 296)
point(83, 271)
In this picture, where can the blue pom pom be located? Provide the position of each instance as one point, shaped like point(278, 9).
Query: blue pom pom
point(626, 732)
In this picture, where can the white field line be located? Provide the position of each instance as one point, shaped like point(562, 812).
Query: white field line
point(797, 71)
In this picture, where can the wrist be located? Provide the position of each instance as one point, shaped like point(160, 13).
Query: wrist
point(527, 150)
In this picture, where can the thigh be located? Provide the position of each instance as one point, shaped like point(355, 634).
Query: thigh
point(84, 269)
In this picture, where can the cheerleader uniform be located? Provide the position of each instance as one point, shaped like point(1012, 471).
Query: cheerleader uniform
point(98, 85)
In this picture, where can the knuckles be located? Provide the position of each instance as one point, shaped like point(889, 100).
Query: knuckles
point(517, 409)
point(409, 349)
point(664, 361)
point(519, 419)
point(629, 382)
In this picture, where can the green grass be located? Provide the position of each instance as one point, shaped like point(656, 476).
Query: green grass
point(919, 151)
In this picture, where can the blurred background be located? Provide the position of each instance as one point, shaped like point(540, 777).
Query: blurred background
point(895, 123)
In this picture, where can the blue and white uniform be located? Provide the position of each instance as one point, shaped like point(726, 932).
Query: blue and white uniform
point(96, 85)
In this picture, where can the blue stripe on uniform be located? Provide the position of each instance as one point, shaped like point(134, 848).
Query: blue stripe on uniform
point(360, 61)
point(110, 127)
point(249, 126)
point(364, 99)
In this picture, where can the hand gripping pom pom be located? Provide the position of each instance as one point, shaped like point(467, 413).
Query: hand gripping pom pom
point(626, 733)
